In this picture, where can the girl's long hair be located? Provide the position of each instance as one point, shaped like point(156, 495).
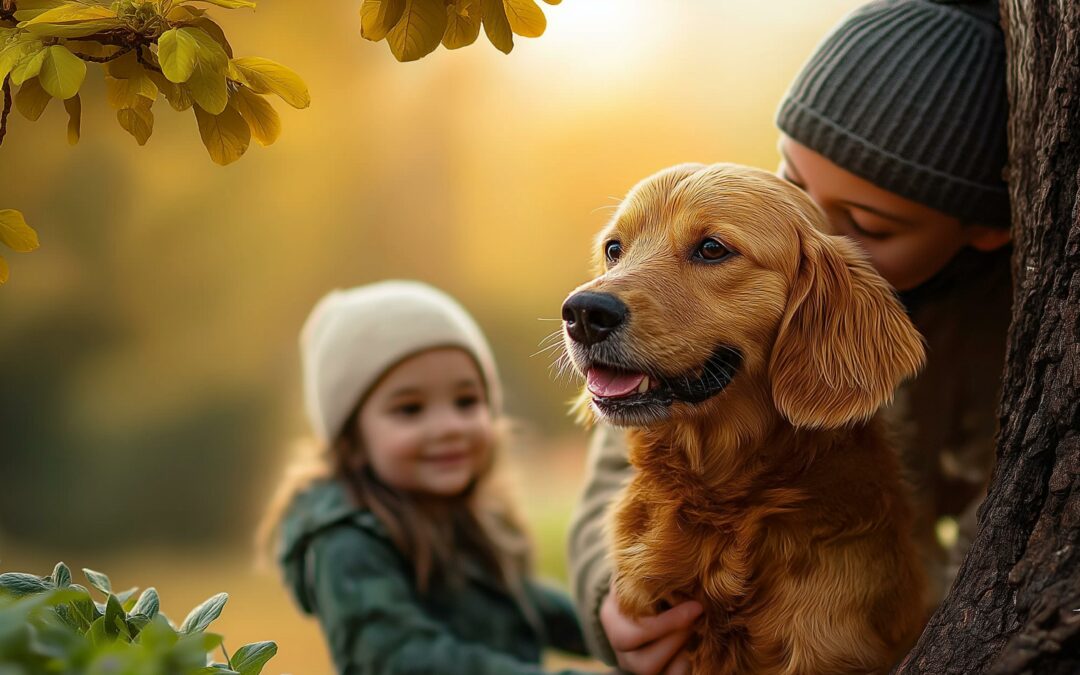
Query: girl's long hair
point(435, 534)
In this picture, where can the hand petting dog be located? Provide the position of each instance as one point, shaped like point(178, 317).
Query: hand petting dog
point(748, 353)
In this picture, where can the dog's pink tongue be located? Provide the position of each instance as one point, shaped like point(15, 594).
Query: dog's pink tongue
point(608, 383)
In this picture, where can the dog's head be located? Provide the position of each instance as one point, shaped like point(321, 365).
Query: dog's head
point(717, 276)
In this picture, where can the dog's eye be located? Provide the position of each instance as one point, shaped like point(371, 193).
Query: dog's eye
point(612, 251)
point(711, 250)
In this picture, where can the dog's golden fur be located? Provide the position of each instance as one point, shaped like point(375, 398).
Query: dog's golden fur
point(777, 503)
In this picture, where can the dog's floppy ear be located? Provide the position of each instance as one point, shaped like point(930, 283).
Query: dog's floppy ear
point(845, 342)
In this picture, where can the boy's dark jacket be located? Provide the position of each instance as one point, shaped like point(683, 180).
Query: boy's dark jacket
point(340, 565)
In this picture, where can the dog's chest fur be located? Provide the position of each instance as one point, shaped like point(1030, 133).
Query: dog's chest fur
point(738, 542)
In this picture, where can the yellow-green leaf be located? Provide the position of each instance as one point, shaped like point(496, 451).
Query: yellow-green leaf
point(93, 49)
point(62, 73)
point(228, 4)
point(462, 23)
point(15, 233)
point(260, 116)
point(126, 93)
point(72, 19)
point(214, 31)
point(419, 31)
point(265, 76)
point(525, 17)
point(73, 106)
point(4, 273)
point(176, 54)
point(29, 66)
point(378, 17)
point(137, 121)
point(209, 88)
point(182, 13)
point(176, 94)
point(73, 30)
point(207, 49)
point(70, 12)
point(496, 25)
point(28, 9)
point(226, 136)
point(32, 99)
point(15, 50)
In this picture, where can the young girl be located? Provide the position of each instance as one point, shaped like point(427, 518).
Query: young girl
point(896, 128)
point(393, 534)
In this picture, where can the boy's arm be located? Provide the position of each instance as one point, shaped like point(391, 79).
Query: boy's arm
point(590, 569)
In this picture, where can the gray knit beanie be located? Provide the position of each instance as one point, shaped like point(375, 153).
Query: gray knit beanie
point(910, 95)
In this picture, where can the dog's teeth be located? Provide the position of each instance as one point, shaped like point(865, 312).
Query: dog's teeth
point(644, 386)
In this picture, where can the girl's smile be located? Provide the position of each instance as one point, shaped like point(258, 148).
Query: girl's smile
point(426, 425)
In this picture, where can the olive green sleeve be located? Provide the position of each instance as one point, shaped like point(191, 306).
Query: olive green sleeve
point(590, 569)
point(373, 622)
point(561, 622)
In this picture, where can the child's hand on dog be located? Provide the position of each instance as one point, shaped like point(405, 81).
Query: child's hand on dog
point(650, 645)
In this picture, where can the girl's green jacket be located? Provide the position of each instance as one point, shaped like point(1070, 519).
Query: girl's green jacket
point(341, 566)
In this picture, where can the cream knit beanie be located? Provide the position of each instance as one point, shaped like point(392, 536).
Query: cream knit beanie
point(352, 337)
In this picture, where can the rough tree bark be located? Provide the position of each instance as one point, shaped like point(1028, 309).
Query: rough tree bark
point(1014, 605)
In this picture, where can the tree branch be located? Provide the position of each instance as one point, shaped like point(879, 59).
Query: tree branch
point(7, 109)
point(146, 64)
point(102, 59)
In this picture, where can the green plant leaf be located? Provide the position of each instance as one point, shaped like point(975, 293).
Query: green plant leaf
point(127, 598)
point(176, 54)
point(148, 603)
point(19, 237)
point(115, 619)
point(28, 66)
point(260, 116)
point(250, 659)
point(137, 121)
point(226, 136)
point(227, 4)
point(203, 615)
point(98, 581)
point(62, 73)
point(265, 76)
point(18, 583)
point(13, 52)
point(73, 106)
point(61, 576)
point(31, 99)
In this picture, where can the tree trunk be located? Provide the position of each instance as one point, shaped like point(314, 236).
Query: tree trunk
point(1015, 605)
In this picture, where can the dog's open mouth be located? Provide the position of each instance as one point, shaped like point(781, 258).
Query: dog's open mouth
point(625, 395)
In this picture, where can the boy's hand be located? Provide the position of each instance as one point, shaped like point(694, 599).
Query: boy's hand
point(649, 645)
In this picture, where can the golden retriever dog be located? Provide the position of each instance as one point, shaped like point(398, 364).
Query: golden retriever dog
point(748, 353)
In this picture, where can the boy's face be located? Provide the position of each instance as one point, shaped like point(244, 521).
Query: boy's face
point(907, 242)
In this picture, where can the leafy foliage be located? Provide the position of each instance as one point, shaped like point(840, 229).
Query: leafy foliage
point(415, 28)
point(49, 625)
point(149, 49)
point(16, 235)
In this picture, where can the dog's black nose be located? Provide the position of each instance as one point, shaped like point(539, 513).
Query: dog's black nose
point(591, 317)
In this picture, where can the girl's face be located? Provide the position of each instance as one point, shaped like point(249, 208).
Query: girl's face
point(907, 242)
point(426, 425)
